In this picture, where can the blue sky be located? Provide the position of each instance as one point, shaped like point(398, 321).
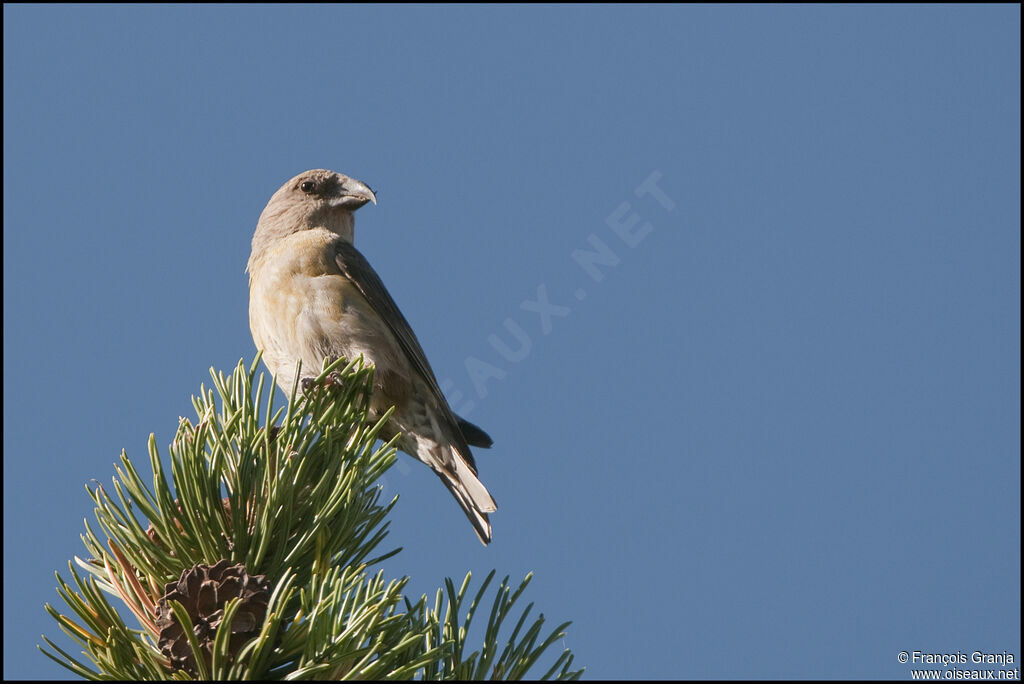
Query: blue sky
point(775, 434)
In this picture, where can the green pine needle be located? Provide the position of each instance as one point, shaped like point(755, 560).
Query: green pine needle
point(291, 493)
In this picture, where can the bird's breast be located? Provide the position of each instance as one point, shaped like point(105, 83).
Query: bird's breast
point(301, 307)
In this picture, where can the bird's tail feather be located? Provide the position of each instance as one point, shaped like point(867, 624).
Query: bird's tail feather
point(477, 518)
point(475, 489)
point(471, 494)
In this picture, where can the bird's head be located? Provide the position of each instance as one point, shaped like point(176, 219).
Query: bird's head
point(313, 199)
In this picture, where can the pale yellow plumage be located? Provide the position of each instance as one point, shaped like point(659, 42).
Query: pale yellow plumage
point(312, 297)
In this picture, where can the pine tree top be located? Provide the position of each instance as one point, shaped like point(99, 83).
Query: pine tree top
point(250, 554)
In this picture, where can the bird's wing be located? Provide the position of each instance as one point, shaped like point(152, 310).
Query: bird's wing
point(357, 269)
point(474, 435)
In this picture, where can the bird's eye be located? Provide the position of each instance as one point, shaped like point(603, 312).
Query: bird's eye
point(307, 186)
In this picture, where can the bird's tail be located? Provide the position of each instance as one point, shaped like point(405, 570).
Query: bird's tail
point(470, 493)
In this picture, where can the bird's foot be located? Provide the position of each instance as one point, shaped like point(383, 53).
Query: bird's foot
point(333, 379)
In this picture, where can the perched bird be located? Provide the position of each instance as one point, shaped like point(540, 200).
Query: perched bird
point(313, 296)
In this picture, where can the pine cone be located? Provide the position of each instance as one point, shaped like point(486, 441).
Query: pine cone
point(203, 591)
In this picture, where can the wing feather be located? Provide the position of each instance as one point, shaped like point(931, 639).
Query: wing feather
point(356, 268)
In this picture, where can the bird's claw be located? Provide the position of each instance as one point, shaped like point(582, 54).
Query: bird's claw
point(333, 379)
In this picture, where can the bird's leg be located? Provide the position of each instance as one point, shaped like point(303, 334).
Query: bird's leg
point(307, 384)
point(333, 379)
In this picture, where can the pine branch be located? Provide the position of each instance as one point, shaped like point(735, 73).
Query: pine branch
point(248, 556)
